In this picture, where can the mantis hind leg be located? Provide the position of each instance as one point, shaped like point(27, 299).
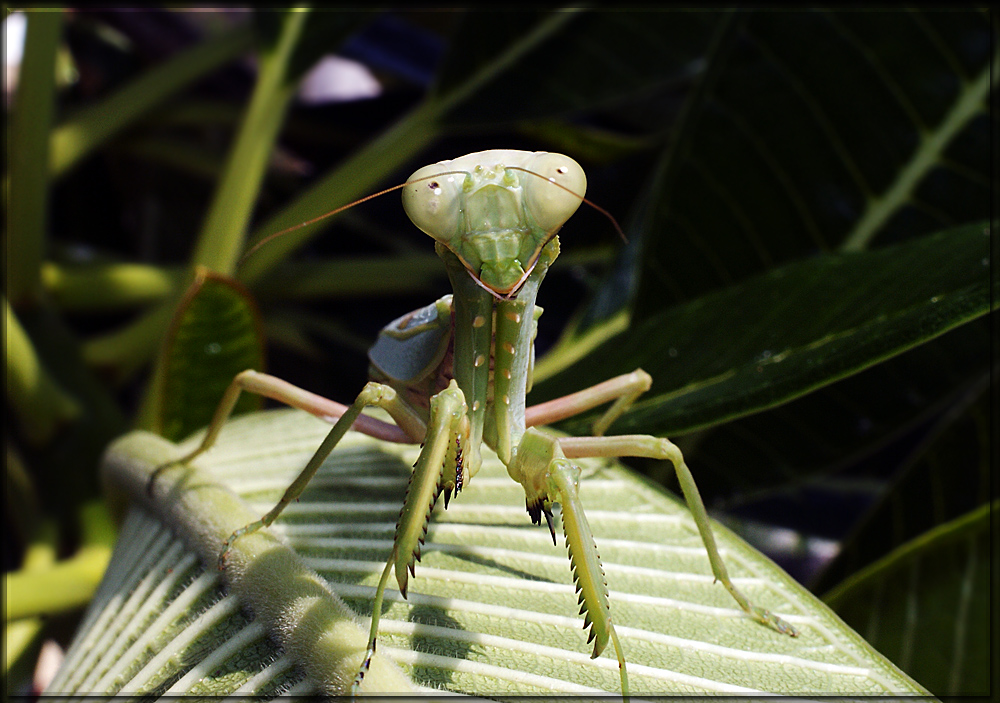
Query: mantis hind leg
point(622, 391)
point(659, 448)
point(439, 469)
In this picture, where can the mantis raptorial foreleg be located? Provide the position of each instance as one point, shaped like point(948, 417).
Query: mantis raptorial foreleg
point(439, 468)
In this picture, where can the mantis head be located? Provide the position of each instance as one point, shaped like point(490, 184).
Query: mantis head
point(496, 210)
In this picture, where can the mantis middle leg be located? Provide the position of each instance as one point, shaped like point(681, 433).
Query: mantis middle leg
point(372, 395)
point(660, 448)
point(624, 390)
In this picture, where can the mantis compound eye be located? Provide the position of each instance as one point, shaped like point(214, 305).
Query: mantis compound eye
point(554, 191)
point(432, 200)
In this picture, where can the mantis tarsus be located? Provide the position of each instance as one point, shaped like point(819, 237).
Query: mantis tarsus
point(454, 374)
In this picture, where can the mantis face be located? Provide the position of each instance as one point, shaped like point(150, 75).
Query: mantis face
point(496, 209)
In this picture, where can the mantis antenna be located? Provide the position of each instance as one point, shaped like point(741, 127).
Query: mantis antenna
point(288, 230)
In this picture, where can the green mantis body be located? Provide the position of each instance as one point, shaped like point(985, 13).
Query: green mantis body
point(454, 375)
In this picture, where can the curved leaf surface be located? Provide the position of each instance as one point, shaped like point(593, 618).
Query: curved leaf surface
point(492, 610)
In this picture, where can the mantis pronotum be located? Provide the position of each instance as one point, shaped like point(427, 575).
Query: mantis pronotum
point(454, 374)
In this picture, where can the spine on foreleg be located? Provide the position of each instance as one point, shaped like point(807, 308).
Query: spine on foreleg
point(588, 572)
point(446, 429)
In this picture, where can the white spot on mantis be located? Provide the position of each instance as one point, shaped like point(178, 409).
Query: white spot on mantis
point(506, 374)
point(478, 321)
point(512, 316)
point(475, 405)
point(506, 399)
point(509, 348)
point(479, 360)
point(935, 299)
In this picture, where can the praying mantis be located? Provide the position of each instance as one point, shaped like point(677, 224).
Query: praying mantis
point(454, 375)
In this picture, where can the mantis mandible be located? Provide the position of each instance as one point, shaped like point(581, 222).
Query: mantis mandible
point(454, 375)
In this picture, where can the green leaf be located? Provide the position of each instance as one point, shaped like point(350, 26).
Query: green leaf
point(929, 491)
point(221, 239)
point(491, 611)
point(778, 336)
point(821, 132)
point(39, 402)
point(91, 127)
point(595, 59)
point(26, 203)
point(927, 604)
point(215, 334)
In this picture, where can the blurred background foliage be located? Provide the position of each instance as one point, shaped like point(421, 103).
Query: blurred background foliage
point(807, 277)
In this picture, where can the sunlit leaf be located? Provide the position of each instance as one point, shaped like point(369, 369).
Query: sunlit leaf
point(492, 609)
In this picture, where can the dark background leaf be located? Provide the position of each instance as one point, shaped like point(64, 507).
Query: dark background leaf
point(594, 61)
point(820, 131)
point(928, 492)
point(782, 335)
point(923, 606)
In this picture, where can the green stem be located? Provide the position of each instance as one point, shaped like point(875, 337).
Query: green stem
point(39, 402)
point(69, 584)
point(221, 238)
point(29, 145)
point(21, 636)
point(92, 126)
point(108, 286)
point(925, 158)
